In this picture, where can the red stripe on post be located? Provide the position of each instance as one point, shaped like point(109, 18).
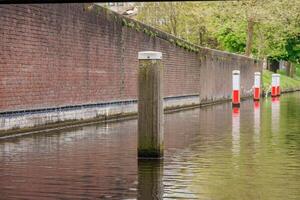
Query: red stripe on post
point(274, 91)
point(235, 88)
point(256, 93)
point(236, 97)
point(278, 91)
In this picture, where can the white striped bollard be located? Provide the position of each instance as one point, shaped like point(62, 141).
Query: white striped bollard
point(235, 88)
point(274, 85)
point(278, 85)
point(256, 91)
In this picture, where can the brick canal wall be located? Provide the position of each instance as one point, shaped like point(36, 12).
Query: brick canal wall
point(216, 74)
point(72, 61)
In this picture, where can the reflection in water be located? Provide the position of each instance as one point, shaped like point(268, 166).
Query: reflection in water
point(150, 173)
point(275, 114)
point(256, 122)
point(210, 153)
point(235, 131)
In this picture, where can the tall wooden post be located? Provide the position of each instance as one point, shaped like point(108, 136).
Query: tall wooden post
point(150, 105)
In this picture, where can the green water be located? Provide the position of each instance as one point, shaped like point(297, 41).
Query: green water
point(210, 153)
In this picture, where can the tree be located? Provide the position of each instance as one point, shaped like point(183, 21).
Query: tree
point(161, 14)
point(257, 28)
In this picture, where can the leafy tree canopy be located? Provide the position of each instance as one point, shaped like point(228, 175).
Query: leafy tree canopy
point(259, 28)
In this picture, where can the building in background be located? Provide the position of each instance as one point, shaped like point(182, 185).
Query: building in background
point(128, 9)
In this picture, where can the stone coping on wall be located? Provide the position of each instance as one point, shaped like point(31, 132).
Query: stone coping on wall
point(81, 106)
point(39, 118)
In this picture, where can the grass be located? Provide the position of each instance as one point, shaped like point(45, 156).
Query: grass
point(281, 71)
point(286, 83)
point(298, 70)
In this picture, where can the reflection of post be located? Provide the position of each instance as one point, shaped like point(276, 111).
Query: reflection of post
point(256, 120)
point(236, 130)
point(150, 186)
point(275, 114)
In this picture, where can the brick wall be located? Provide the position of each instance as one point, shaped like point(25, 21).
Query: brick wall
point(54, 55)
point(216, 74)
point(62, 54)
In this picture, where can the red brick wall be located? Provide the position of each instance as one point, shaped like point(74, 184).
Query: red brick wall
point(62, 54)
point(216, 74)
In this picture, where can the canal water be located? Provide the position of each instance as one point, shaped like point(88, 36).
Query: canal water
point(210, 153)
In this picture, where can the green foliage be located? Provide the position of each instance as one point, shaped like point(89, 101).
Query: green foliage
point(293, 49)
point(224, 25)
point(231, 41)
point(137, 27)
point(147, 31)
point(297, 71)
point(281, 71)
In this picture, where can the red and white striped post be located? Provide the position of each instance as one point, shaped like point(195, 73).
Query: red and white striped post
point(278, 85)
point(256, 91)
point(235, 88)
point(274, 85)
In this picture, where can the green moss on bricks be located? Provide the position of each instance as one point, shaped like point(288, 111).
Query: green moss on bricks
point(185, 45)
point(131, 24)
point(152, 33)
point(149, 32)
point(136, 26)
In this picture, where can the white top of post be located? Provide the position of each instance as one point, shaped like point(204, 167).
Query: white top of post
point(149, 55)
point(257, 79)
point(276, 75)
point(236, 80)
point(274, 80)
point(235, 72)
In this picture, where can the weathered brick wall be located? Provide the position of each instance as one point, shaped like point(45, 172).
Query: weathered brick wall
point(62, 54)
point(216, 74)
point(54, 55)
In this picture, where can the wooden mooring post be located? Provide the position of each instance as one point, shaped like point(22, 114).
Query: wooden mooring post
point(150, 105)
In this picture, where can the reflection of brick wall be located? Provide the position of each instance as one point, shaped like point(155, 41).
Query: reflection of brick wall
point(90, 162)
point(63, 54)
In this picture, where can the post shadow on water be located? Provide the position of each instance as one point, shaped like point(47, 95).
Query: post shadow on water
point(150, 173)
